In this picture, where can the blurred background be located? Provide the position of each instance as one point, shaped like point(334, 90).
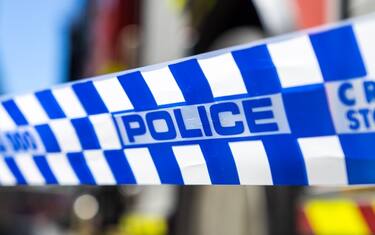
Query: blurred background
point(43, 43)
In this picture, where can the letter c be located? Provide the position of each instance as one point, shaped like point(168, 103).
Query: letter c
point(216, 109)
point(343, 94)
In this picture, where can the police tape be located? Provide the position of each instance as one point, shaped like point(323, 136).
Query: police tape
point(293, 110)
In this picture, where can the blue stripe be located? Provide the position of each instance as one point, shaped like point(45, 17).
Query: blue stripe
point(307, 111)
point(2, 146)
point(50, 105)
point(220, 162)
point(79, 165)
point(44, 168)
point(15, 170)
point(137, 91)
point(90, 98)
point(192, 82)
point(14, 112)
point(120, 167)
point(338, 54)
point(286, 161)
point(257, 69)
point(360, 157)
point(48, 138)
point(86, 133)
point(166, 164)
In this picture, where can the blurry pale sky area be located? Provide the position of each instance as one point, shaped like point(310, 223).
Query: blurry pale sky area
point(34, 43)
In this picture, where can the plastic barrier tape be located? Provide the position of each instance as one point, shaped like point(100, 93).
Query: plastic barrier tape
point(293, 110)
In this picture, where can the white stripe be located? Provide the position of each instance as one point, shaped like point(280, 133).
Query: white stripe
point(113, 95)
point(324, 159)
point(69, 102)
point(223, 75)
point(6, 122)
point(163, 86)
point(31, 109)
point(61, 169)
point(252, 163)
point(365, 33)
point(29, 169)
point(99, 168)
point(142, 166)
point(295, 62)
point(105, 131)
point(6, 176)
point(192, 164)
point(65, 135)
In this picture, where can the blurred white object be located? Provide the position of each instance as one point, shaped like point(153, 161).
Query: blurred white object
point(165, 33)
point(277, 16)
point(86, 207)
point(156, 200)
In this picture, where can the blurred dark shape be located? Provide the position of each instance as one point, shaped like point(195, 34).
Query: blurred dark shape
point(282, 209)
point(111, 206)
point(101, 38)
point(225, 15)
point(79, 40)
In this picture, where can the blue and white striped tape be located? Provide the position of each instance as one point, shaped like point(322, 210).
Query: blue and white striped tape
point(295, 110)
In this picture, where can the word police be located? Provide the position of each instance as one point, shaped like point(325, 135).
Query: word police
point(226, 119)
